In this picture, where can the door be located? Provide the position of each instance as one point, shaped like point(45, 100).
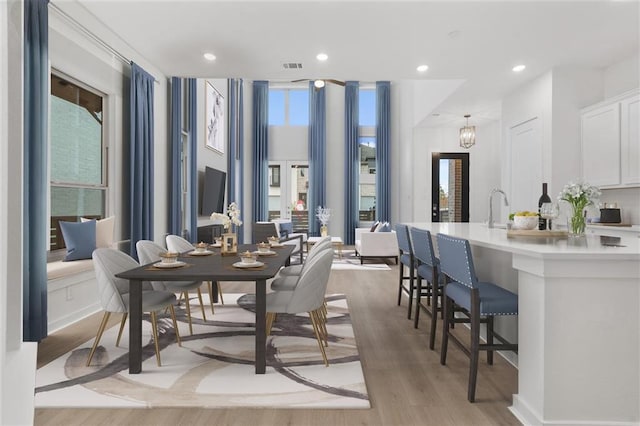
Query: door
point(525, 173)
point(288, 188)
point(450, 187)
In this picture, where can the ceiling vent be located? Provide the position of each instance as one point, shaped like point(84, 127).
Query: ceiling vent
point(292, 66)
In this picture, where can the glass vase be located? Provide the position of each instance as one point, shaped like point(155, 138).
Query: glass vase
point(577, 223)
point(324, 231)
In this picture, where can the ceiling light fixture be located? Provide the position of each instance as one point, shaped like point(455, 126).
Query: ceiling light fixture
point(518, 68)
point(322, 56)
point(209, 56)
point(422, 68)
point(467, 135)
point(319, 84)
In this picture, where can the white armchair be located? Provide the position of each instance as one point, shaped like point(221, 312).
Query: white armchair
point(376, 244)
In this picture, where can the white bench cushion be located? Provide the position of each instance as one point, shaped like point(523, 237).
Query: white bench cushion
point(61, 269)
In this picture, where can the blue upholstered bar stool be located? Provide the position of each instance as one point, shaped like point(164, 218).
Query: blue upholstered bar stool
point(428, 268)
point(406, 259)
point(483, 301)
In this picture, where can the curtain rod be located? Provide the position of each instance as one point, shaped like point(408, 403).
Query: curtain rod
point(91, 35)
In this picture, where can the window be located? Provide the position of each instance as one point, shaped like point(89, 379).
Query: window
point(274, 175)
point(288, 107)
point(367, 153)
point(78, 179)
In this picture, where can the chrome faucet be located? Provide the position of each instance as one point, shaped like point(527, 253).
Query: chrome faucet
point(506, 203)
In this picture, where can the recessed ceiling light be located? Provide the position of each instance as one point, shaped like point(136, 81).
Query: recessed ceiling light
point(322, 56)
point(319, 84)
point(518, 68)
point(422, 68)
point(209, 56)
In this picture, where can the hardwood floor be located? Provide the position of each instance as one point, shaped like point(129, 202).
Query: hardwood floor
point(406, 383)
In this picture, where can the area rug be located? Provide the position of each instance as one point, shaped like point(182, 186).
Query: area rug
point(349, 261)
point(214, 368)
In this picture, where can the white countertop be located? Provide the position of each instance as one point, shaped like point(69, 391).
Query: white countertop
point(589, 247)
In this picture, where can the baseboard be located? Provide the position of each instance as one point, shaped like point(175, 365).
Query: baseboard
point(527, 416)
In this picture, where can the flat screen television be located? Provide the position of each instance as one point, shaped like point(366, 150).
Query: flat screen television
point(213, 189)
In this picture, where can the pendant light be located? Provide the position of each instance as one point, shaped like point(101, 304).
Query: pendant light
point(467, 134)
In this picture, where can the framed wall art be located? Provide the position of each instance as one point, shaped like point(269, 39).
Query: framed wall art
point(214, 119)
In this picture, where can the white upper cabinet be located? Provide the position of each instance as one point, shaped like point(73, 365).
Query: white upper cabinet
point(601, 145)
point(610, 142)
point(630, 141)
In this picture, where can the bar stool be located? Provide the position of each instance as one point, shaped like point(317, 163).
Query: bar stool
point(482, 300)
point(428, 268)
point(406, 259)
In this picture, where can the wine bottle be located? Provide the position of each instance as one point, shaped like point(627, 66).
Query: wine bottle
point(544, 198)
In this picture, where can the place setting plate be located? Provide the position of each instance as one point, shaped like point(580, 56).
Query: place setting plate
point(265, 253)
point(200, 253)
point(243, 265)
point(176, 264)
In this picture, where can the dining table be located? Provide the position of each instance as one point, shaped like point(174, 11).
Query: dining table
point(213, 266)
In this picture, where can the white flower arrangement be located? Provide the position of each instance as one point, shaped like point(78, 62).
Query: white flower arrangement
point(579, 196)
point(323, 214)
point(232, 216)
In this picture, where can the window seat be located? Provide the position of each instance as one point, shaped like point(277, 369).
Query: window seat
point(72, 292)
point(60, 269)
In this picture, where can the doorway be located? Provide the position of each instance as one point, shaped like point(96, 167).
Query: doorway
point(288, 188)
point(450, 187)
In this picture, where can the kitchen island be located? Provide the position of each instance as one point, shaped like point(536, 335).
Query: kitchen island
point(579, 322)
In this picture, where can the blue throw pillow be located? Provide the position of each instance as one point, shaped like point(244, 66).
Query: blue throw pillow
point(80, 239)
point(286, 228)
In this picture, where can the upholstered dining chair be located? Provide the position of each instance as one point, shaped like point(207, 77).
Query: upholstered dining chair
point(322, 244)
point(428, 268)
point(308, 296)
point(482, 300)
point(178, 244)
point(149, 252)
point(262, 231)
point(114, 296)
point(406, 259)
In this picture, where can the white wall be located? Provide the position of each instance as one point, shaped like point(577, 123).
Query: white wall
point(622, 76)
point(532, 100)
point(572, 89)
point(484, 167)
point(78, 56)
point(17, 359)
point(207, 156)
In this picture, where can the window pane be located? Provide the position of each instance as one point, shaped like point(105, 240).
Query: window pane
point(276, 107)
point(76, 202)
point(367, 106)
point(298, 107)
point(367, 150)
point(76, 134)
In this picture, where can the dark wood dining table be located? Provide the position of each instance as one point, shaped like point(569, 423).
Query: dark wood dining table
point(214, 267)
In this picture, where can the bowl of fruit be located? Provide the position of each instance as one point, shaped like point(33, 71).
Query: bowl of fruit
point(525, 220)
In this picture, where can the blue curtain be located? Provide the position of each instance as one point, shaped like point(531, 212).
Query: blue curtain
point(351, 162)
point(192, 223)
point(140, 156)
point(317, 195)
point(234, 158)
point(260, 202)
point(383, 134)
point(35, 184)
point(175, 178)
point(240, 178)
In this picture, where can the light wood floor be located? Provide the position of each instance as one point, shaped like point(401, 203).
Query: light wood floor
point(406, 383)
